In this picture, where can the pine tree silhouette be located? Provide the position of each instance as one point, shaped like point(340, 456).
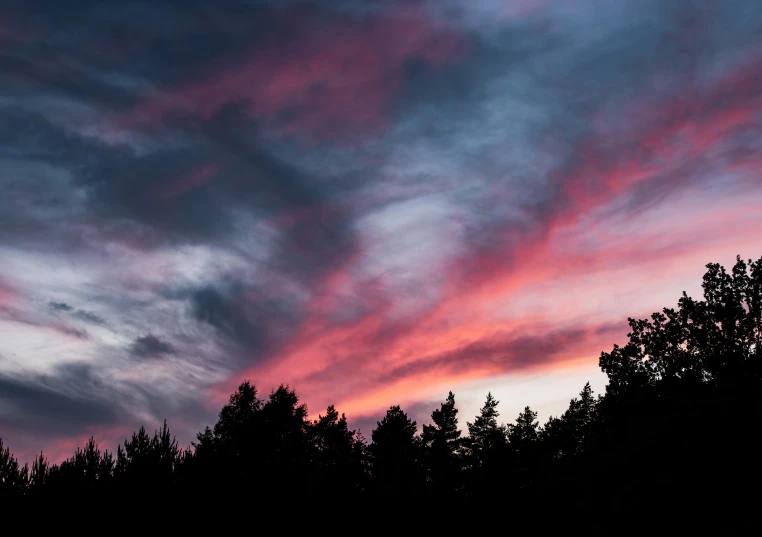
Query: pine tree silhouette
point(443, 449)
point(396, 455)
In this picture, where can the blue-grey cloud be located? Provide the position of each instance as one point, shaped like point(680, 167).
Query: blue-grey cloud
point(90, 317)
point(60, 306)
point(249, 319)
point(151, 346)
point(65, 402)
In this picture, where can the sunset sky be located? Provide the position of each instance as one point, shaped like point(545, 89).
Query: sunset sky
point(374, 202)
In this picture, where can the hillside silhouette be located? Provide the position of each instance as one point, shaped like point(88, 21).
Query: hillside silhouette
point(675, 432)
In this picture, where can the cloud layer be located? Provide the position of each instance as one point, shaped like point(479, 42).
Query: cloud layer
point(372, 202)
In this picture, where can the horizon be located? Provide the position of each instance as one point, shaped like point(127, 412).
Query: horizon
point(373, 204)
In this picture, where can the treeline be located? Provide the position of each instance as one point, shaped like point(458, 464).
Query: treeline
point(677, 426)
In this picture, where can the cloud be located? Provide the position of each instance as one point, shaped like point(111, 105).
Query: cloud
point(83, 315)
point(193, 180)
point(69, 401)
point(150, 346)
point(248, 319)
point(334, 82)
point(59, 306)
point(14, 312)
point(7, 296)
point(90, 317)
point(502, 353)
point(71, 331)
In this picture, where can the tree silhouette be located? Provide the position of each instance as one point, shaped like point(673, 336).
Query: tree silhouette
point(165, 450)
point(135, 461)
point(568, 435)
point(701, 341)
point(395, 455)
point(13, 478)
point(486, 438)
point(284, 441)
point(442, 448)
point(231, 452)
point(39, 476)
point(523, 436)
point(236, 419)
point(87, 476)
point(339, 456)
point(487, 443)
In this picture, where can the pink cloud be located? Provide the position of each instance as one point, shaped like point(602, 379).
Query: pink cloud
point(652, 144)
point(7, 296)
point(375, 359)
point(335, 81)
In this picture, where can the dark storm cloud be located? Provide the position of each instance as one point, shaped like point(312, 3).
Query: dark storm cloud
point(150, 346)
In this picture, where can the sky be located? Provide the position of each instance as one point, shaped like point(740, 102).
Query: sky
point(374, 202)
